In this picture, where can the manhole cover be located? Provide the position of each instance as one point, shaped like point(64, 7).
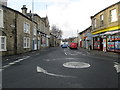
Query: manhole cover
point(76, 65)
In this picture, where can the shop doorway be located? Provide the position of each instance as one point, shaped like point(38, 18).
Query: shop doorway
point(104, 45)
point(101, 44)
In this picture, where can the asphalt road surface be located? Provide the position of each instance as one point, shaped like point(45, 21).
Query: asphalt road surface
point(60, 68)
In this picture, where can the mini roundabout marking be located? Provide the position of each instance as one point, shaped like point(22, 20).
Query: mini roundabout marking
point(76, 65)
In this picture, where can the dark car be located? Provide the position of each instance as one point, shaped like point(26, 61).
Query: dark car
point(73, 46)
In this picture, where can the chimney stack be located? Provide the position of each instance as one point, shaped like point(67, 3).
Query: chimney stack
point(3, 2)
point(24, 9)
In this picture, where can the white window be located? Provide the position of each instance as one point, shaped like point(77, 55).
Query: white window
point(113, 15)
point(94, 23)
point(2, 43)
point(26, 42)
point(26, 27)
point(1, 18)
point(101, 19)
point(34, 31)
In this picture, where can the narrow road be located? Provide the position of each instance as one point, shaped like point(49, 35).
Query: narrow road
point(60, 68)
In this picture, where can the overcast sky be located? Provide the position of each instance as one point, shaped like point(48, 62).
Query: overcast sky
point(68, 15)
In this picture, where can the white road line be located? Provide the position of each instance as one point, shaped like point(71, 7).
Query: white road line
point(88, 53)
point(6, 66)
point(37, 54)
point(73, 54)
point(17, 61)
point(12, 63)
point(65, 53)
point(26, 57)
point(117, 67)
point(41, 70)
point(116, 63)
point(20, 59)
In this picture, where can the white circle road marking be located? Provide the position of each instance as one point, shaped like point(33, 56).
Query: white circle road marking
point(76, 65)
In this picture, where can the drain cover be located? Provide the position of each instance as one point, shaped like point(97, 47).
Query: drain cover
point(76, 65)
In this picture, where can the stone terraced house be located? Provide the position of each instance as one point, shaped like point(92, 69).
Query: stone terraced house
point(20, 33)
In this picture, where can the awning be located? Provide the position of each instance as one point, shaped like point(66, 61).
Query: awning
point(112, 32)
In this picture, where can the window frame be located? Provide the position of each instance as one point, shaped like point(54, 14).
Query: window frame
point(3, 43)
point(1, 19)
point(112, 15)
point(26, 42)
point(34, 31)
point(26, 27)
point(94, 22)
point(101, 19)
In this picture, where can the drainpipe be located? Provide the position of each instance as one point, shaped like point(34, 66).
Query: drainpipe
point(15, 32)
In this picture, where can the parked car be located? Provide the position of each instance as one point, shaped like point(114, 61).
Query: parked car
point(73, 45)
point(64, 45)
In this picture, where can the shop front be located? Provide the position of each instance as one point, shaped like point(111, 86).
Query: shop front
point(107, 41)
point(97, 42)
point(113, 41)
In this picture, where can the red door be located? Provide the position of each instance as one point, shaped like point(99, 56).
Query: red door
point(80, 43)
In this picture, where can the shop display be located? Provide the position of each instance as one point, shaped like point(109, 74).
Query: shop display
point(97, 43)
point(113, 43)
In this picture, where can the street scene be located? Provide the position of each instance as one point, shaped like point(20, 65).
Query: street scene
point(59, 44)
point(49, 69)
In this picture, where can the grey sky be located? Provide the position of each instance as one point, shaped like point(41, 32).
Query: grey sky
point(68, 15)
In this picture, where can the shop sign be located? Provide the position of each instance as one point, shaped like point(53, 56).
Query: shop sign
point(112, 32)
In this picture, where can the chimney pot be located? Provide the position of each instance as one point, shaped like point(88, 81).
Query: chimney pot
point(24, 9)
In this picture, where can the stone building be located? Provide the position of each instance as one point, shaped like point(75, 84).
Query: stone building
point(85, 38)
point(17, 32)
point(46, 31)
point(43, 31)
point(106, 29)
point(52, 40)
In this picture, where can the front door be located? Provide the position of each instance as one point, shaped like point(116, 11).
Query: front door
point(34, 44)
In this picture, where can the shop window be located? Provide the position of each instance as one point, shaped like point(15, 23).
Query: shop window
point(97, 43)
point(111, 44)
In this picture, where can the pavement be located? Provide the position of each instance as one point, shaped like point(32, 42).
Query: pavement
point(103, 54)
point(11, 58)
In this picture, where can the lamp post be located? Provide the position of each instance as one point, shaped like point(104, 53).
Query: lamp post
point(77, 37)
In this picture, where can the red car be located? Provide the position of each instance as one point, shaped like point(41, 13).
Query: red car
point(73, 45)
